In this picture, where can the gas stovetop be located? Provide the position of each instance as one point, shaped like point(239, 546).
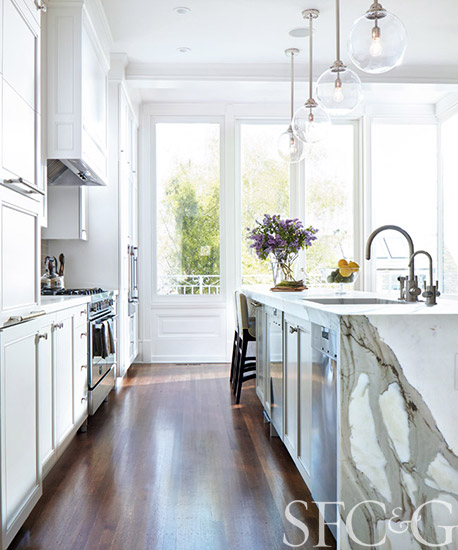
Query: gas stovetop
point(72, 291)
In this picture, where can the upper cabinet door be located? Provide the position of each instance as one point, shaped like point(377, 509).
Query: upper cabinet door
point(20, 112)
point(36, 7)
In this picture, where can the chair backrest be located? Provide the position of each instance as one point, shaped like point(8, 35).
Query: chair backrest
point(242, 311)
point(236, 310)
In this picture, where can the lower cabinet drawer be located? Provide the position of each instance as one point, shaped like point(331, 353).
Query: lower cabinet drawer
point(80, 394)
point(80, 343)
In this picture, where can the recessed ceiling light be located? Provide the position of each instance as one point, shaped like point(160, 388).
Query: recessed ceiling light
point(299, 32)
point(182, 10)
point(183, 49)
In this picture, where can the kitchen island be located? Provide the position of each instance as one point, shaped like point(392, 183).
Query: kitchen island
point(395, 411)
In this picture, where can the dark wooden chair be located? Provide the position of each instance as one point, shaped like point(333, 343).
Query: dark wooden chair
point(245, 365)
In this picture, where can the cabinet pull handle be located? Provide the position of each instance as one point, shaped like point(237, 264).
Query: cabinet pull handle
point(83, 312)
point(83, 367)
point(40, 336)
point(83, 399)
point(30, 189)
point(292, 330)
point(58, 325)
point(83, 334)
point(41, 7)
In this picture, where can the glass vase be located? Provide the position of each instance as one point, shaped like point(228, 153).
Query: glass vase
point(283, 273)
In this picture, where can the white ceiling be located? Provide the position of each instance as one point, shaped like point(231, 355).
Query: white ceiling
point(244, 40)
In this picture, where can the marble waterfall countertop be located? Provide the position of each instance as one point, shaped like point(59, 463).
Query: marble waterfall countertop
point(398, 410)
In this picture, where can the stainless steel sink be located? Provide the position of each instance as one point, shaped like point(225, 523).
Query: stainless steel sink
point(352, 301)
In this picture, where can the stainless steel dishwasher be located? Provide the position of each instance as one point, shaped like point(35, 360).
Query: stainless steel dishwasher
point(324, 420)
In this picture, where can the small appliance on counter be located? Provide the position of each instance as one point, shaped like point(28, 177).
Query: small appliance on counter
point(51, 279)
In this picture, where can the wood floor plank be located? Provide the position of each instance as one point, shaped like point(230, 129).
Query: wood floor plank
point(171, 463)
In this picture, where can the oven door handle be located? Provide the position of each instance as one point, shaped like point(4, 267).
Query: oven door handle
point(101, 320)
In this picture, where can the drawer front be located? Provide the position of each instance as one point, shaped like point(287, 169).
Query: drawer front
point(80, 344)
point(80, 316)
point(80, 395)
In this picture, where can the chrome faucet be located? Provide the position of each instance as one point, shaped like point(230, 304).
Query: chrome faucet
point(431, 291)
point(409, 290)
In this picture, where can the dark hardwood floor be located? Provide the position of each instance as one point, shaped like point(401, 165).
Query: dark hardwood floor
point(170, 463)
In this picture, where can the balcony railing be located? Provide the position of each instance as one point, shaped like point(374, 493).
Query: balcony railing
point(190, 285)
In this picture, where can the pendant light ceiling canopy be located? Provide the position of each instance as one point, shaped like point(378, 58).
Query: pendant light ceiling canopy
point(339, 89)
point(290, 148)
point(311, 122)
point(377, 41)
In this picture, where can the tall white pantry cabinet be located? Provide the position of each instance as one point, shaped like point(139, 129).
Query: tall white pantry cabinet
point(22, 191)
point(22, 180)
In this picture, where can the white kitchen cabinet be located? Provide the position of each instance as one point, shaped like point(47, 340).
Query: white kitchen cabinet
point(80, 365)
point(133, 337)
point(262, 372)
point(46, 395)
point(19, 287)
point(304, 446)
point(36, 7)
point(67, 213)
point(77, 89)
point(20, 157)
point(275, 358)
point(297, 435)
point(62, 380)
point(291, 373)
point(20, 472)
point(63, 364)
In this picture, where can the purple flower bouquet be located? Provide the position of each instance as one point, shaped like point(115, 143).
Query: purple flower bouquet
point(281, 241)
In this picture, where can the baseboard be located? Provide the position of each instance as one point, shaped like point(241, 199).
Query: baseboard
point(180, 359)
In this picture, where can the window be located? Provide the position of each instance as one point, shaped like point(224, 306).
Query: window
point(329, 196)
point(404, 193)
point(264, 190)
point(449, 139)
point(188, 208)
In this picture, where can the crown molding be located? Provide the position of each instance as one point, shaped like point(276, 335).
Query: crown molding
point(447, 106)
point(278, 72)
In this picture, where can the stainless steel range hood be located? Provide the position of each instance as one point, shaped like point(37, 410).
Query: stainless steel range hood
point(72, 172)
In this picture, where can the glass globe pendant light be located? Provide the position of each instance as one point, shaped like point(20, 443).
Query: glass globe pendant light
point(311, 122)
point(290, 148)
point(339, 89)
point(377, 41)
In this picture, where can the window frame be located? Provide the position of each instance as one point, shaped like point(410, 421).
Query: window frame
point(422, 117)
point(188, 299)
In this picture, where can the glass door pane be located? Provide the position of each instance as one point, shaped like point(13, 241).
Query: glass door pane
point(188, 208)
point(404, 193)
point(449, 140)
point(329, 199)
point(264, 190)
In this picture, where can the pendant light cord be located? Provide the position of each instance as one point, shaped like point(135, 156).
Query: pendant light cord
point(338, 30)
point(310, 55)
point(292, 86)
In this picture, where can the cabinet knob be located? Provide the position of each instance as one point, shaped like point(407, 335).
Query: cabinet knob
point(42, 336)
point(292, 330)
point(41, 7)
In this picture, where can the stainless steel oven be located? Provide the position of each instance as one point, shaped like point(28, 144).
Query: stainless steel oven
point(102, 350)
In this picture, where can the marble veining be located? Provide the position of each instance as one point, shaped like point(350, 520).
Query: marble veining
point(406, 460)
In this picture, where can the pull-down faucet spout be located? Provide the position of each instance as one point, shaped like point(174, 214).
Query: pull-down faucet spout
point(411, 291)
